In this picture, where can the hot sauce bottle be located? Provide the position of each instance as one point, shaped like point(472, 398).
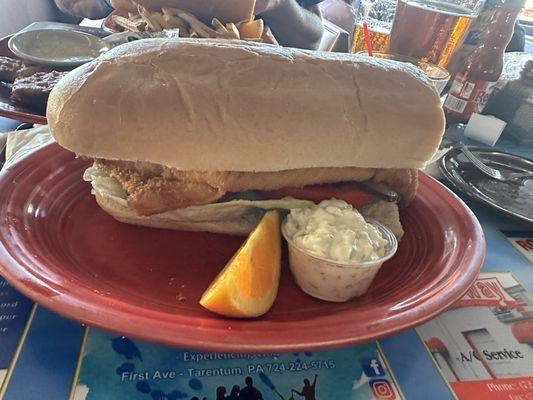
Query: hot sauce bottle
point(481, 69)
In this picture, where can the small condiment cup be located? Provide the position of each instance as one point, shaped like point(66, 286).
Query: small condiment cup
point(332, 280)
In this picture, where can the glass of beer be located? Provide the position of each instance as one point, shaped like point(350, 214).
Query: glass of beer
point(432, 29)
point(378, 15)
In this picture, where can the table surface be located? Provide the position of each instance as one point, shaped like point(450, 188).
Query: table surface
point(43, 355)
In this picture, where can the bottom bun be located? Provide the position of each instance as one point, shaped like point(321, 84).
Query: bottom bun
point(240, 227)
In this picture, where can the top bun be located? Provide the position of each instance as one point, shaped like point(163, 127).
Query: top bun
point(216, 105)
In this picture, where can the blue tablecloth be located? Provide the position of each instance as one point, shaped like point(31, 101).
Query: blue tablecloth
point(480, 349)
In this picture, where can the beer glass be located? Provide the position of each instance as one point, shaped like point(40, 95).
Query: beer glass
point(432, 30)
point(379, 15)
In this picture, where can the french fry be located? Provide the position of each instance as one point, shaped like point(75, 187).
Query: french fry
point(135, 4)
point(146, 16)
point(158, 17)
point(221, 30)
point(234, 32)
point(167, 13)
point(132, 26)
point(198, 26)
point(268, 37)
point(175, 21)
point(190, 26)
point(219, 27)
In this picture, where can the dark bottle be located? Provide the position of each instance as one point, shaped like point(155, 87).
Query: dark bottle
point(475, 81)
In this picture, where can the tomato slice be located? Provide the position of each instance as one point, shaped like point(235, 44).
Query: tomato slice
point(350, 193)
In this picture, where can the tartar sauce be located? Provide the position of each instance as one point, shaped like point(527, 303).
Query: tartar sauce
point(336, 231)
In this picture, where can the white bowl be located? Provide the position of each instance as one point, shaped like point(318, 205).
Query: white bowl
point(56, 47)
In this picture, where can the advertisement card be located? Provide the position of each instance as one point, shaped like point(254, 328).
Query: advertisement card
point(483, 346)
point(522, 241)
point(118, 368)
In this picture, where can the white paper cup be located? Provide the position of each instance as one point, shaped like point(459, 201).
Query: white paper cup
point(336, 280)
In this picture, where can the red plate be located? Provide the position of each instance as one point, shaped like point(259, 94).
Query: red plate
point(10, 109)
point(60, 249)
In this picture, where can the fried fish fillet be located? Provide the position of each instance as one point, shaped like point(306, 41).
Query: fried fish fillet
point(153, 188)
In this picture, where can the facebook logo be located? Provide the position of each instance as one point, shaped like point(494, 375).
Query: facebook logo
point(372, 367)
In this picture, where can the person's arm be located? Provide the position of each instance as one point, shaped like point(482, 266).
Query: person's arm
point(297, 392)
point(314, 380)
point(93, 9)
point(292, 24)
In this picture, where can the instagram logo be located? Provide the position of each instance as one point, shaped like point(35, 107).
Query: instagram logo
point(381, 389)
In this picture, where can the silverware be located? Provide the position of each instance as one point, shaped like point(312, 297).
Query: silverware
point(512, 199)
point(511, 168)
point(499, 175)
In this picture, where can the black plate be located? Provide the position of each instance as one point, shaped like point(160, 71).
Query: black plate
point(514, 199)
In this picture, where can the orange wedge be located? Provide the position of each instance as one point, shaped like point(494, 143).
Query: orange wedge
point(248, 284)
